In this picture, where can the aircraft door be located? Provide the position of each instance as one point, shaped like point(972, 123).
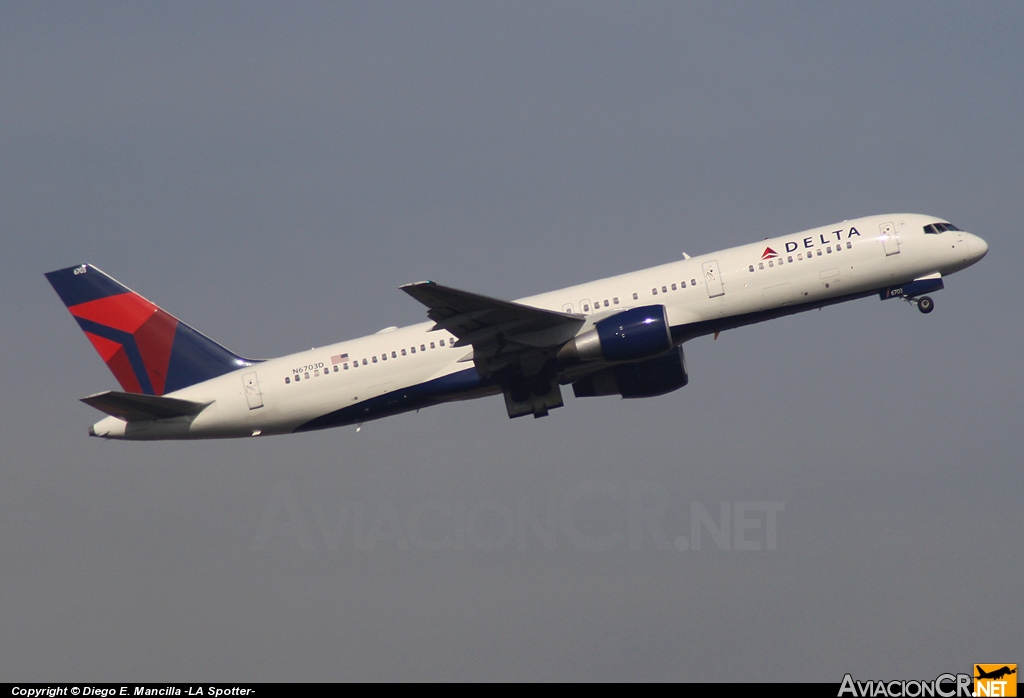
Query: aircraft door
point(252, 390)
point(713, 279)
point(890, 241)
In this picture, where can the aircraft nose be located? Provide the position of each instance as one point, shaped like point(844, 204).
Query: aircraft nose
point(976, 247)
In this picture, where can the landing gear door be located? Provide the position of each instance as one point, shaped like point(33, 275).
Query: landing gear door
point(713, 279)
point(890, 241)
point(252, 391)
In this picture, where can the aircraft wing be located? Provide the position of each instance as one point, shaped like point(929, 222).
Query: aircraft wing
point(137, 407)
point(494, 327)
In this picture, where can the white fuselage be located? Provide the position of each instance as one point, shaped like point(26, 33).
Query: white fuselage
point(703, 294)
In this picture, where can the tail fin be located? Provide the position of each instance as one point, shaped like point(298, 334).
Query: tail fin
point(147, 349)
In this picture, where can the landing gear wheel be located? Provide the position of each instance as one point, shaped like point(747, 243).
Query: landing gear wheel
point(925, 304)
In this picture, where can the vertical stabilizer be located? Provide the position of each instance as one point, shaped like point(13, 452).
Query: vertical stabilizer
point(147, 349)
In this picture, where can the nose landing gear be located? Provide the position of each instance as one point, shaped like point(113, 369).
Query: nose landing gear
point(925, 304)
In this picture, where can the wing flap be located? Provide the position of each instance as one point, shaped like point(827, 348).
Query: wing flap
point(133, 407)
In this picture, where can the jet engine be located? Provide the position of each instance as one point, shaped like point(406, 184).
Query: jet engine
point(648, 378)
point(632, 335)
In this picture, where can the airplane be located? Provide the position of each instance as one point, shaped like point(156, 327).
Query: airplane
point(995, 674)
point(621, 335)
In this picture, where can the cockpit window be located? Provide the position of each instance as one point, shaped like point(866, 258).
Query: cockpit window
point(936, 228)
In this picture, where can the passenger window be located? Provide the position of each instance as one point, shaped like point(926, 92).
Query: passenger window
point(788, 259)
point(760, 265)
point(771, 262)
point(345, 365)
point(403, 352)
point(373, 358)
point(636, 297)
point(654, 291)
point(335, 368)
point(423, 347)
point(751, 267)
point(828, 249)
point(838, 248)
point(364, 361)
point(287, 380)
point(296, 377)
point(412, 349)
point(849, 245)
point(394, 355)
point(615, 301)
point(664, 289)
point(586, 308)
point(441, 342)
point(683, 285)
point(606, 304)
point(432, 346)
point(819, 253)
point(673, 287)
point(307, 375)
point(693, 282)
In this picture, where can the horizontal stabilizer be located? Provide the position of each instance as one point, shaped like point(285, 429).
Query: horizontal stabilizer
point(133, 407)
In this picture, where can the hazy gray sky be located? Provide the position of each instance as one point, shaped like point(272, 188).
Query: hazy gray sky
point(271, 173)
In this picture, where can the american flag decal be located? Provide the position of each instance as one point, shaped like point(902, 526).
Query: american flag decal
point(338, 358)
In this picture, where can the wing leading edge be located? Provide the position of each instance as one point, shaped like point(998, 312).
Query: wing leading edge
point(482, 321)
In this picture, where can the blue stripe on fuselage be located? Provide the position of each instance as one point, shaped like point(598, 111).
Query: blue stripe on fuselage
point(414, 397)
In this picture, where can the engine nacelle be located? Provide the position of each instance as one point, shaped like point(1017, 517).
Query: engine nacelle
point(632, 335)
point(649, 378)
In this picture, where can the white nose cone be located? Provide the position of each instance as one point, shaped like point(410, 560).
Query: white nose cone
point(977, 247)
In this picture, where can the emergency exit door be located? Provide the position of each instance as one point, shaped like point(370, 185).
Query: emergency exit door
point(713, 279)
point(890, 241)
point(252, 391)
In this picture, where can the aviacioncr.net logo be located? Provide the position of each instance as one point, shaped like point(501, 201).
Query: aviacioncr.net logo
point(995, 680)
point(945, 686)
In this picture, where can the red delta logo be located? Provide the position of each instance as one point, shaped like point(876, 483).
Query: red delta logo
point(769, 253)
